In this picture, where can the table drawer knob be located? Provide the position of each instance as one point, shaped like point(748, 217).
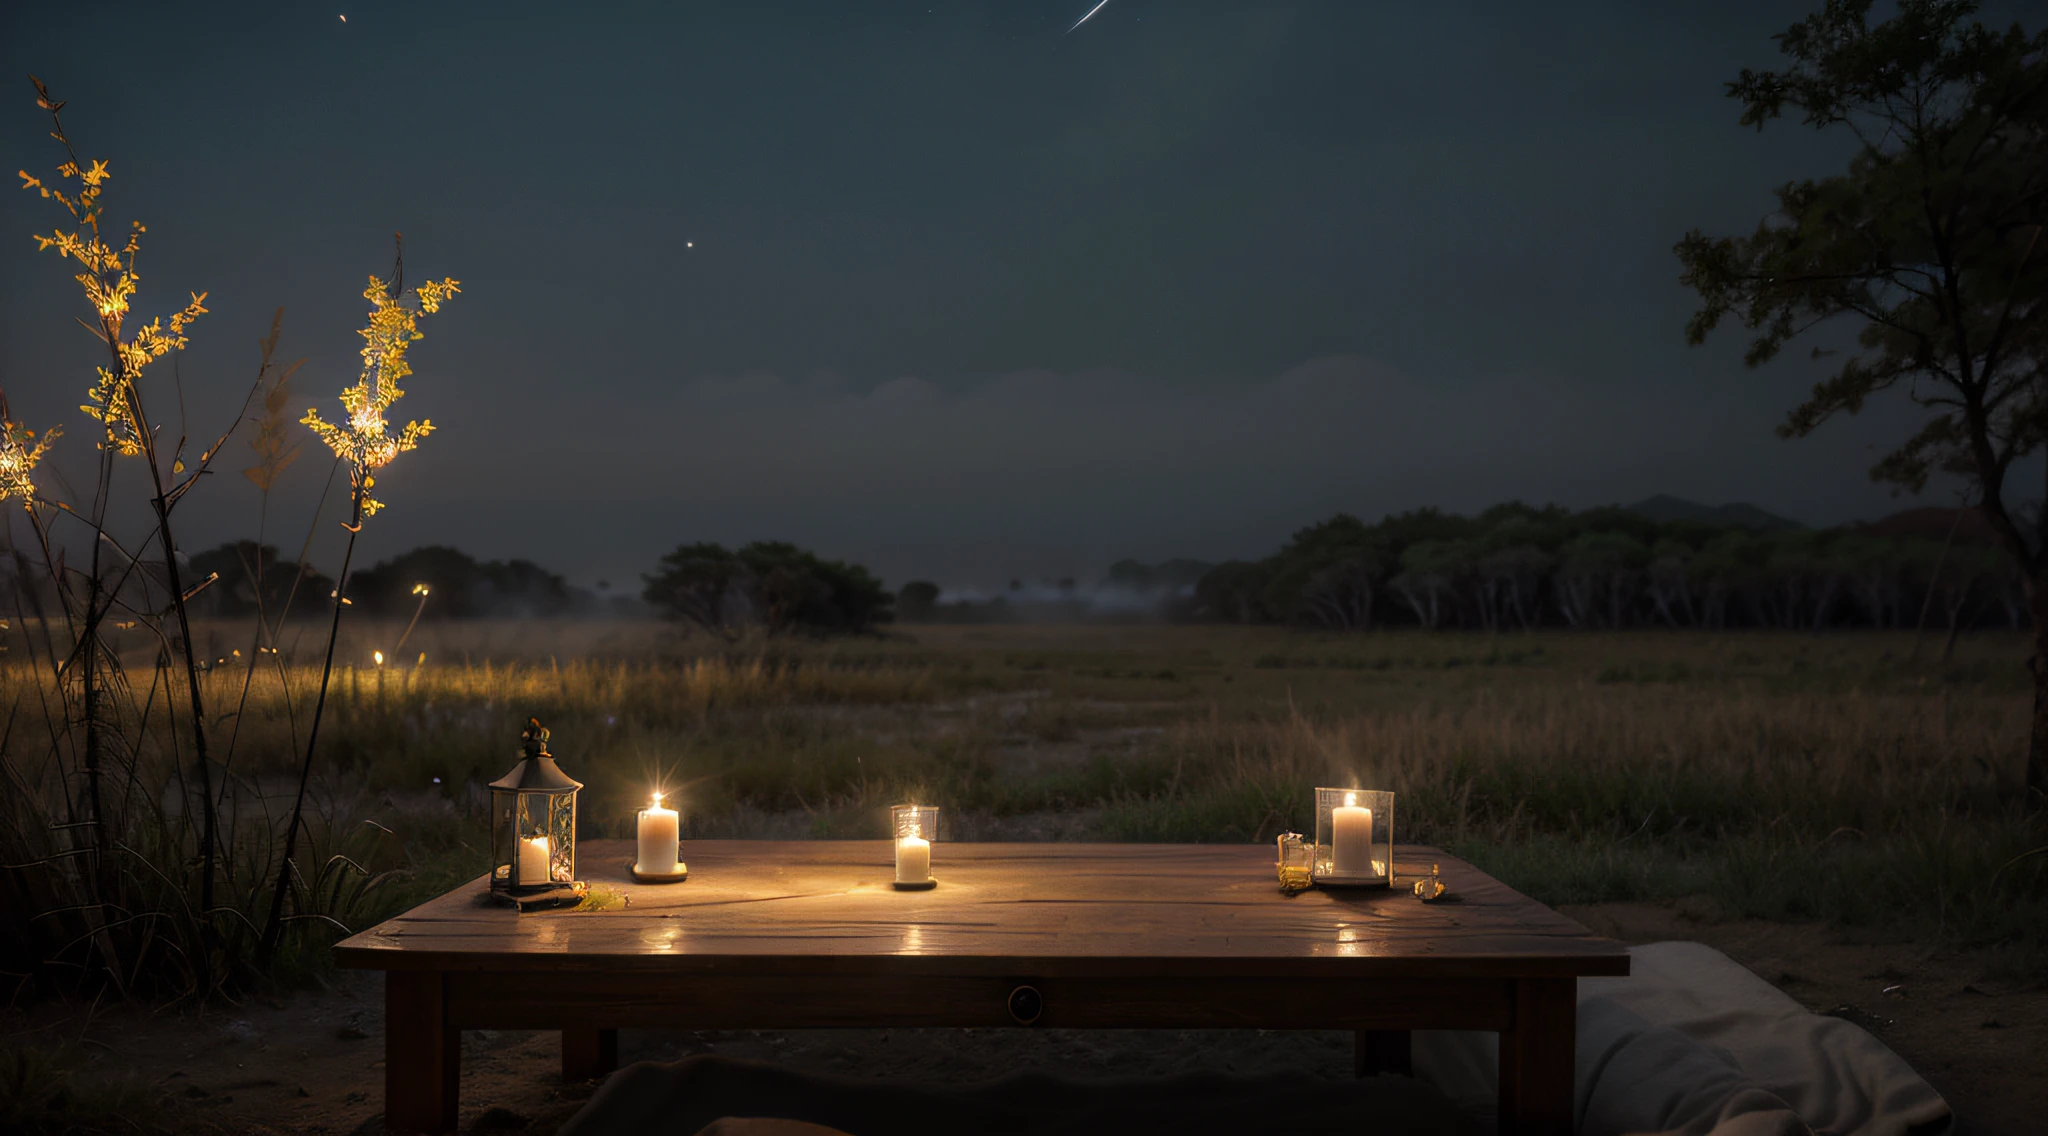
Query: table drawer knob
point(1026, 1004)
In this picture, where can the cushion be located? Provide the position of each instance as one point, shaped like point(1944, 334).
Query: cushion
point(1692, 1042)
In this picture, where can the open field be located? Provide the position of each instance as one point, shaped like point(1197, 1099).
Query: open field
point(1783, 775)
point(1830, 785)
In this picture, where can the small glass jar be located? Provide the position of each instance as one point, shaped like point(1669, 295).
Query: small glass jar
point(1295, 860)
point(1354, 838)
point(916, 829)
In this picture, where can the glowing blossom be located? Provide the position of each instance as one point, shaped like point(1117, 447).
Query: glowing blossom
point(365, 441)
point(20, 452)
point(109, 280)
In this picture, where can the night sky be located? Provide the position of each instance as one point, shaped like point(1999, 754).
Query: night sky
point(936, 287)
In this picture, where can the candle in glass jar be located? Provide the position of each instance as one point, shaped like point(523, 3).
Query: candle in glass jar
point(533, 860)
point(913, 858)
point(1351, 838)
point(659, 834)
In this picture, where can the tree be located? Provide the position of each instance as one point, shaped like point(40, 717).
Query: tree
point(1326, 575)
point(917, 600)
point(773, 583)
point(462, 586)
point(1928, 247)
point(798, 591)
point(1515, 574)
point(1595, 565)
point(704, 584)
point(1232, 592)
point(240, 564)
point(1670, 586)
point(1429, 571)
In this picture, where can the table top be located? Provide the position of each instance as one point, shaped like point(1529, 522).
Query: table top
point(1157, 910)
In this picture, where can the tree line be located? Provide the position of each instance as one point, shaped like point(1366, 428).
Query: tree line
point(437, 581)
point(1521, 566)
point(1513, 566)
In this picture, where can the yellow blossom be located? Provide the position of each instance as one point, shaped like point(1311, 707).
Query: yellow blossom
point(365, 440)
point(20, 452)
point(108, 277)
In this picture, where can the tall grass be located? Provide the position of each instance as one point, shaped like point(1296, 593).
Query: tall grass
point(1789, 776)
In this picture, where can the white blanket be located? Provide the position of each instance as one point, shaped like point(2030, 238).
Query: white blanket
point(1692, 1042)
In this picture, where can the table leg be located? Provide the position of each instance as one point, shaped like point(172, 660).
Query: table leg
point(422, 1054)
point(1536, 1059)
point(588, 1054)
point(1382, 1051)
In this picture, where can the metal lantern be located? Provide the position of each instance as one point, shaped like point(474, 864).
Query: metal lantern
point(533, 823)
point(1354, 838)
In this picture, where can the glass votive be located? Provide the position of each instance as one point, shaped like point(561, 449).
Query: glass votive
point(1354, 838)
point(915, 828)
point(1296, 858)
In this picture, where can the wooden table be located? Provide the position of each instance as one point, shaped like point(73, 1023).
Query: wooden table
point(808, 934)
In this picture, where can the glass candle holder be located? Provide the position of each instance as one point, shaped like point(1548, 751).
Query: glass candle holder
point(1354, 838)
point(1295, 860)
point(916, 828)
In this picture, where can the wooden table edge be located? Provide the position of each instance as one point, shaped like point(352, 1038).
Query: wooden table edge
point(1278, 968)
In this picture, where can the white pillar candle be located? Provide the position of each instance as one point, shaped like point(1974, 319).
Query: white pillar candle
point(1351, 838)
point(533, 861)
point(658, 833)
point(913, 860)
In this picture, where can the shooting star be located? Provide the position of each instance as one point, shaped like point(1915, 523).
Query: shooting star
point(1085, 19)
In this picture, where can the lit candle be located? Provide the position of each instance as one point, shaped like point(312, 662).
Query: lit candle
point(1351, 837)
point(658, 836)
point(913, 858)
point(533, 861)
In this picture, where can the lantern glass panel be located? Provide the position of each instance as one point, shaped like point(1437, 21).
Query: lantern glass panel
point(534, 839)
point(561, 826)
point(916, 829)
point(503, 832)
point(1354, 837)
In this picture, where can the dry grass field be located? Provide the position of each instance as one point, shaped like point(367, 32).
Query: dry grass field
point(1833, 810)
point(1831, 776)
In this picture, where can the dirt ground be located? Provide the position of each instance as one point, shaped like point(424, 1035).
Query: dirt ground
point(313, 1063)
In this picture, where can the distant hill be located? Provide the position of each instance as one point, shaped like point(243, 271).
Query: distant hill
point(1666, 509)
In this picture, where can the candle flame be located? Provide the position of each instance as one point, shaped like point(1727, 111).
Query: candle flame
point(657, 800)
point(379, 656)
point(1350, 799)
